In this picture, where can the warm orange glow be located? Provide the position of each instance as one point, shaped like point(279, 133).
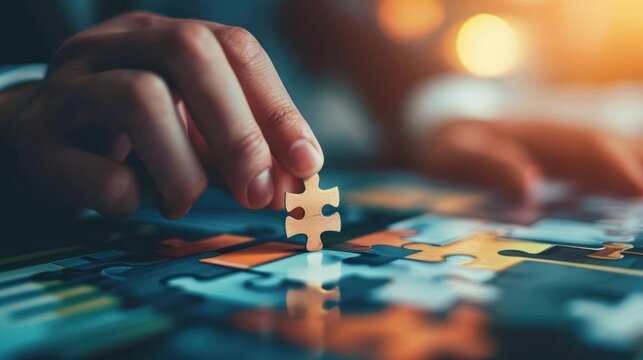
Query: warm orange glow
point(406, 20)
point(487, 45)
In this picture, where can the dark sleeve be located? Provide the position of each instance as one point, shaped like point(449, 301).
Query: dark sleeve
point(21, 39)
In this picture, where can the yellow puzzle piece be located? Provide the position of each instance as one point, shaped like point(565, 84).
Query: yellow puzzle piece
point(484, 247)
point(313, 223)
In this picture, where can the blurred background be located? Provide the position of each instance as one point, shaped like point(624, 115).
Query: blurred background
point(349, 64)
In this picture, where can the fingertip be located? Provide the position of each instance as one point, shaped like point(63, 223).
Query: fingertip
point(305, 159)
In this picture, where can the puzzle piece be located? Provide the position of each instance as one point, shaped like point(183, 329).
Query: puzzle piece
point(614, 251)
point(255, 255)
point(617, 326)
point(434, 286)
point(567, 232)
point(232, 289)
point(437, 230)
point(377, 248)
point(151, 280)
point(484, 247)
point(395, 238)
point(313, 223)
point(535, 295)
point(180, 248)
point(380, 335)
point(610, 259)
point(379, 255)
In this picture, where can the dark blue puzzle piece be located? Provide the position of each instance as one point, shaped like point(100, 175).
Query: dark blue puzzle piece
point(576, 255)
point(380, 255)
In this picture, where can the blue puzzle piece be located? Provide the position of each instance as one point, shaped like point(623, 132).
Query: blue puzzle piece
point(434, 286)
point(437, 230)
point(380, 255)
point(618, 326)
point(232, 289)
point(567, 232)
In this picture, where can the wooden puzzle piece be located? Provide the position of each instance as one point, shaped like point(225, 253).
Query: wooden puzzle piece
point(379, 335)
point(313, 223)
point(181, 248)
point(484, 247)
point(252, 256)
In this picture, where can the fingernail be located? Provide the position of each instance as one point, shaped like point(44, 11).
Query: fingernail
point(304, 157)
point(261, 189)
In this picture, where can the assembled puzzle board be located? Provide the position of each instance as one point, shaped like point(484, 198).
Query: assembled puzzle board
point(420, 270)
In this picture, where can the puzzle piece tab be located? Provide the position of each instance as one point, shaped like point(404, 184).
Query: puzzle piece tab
point(484, 247)
point(313, 223)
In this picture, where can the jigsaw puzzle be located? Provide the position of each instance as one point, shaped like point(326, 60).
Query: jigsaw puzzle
point(420, 270)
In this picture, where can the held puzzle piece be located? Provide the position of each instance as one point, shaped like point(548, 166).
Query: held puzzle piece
point(313, 223)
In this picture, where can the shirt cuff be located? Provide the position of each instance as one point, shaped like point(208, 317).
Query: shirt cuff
point(15, 75)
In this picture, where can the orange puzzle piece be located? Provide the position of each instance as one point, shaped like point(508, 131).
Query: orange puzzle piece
point(181, 248)
point(366, 242)
point(397, 332)
point(613, 251)
point(313, 223)
point(256, 255)
point(484, 247)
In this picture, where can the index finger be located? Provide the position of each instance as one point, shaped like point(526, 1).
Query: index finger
point(289, 136)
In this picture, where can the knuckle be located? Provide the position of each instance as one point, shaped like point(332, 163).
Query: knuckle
point(284, 119)
point(243, 45)
point(115, 190)
point(192, 40)
point(144, 91)
point(251, 146)
point(142, 18)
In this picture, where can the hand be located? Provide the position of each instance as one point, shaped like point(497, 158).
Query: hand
point(186, 96)
point(512, 157)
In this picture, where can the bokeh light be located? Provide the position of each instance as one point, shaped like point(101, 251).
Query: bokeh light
point(407, 20)
point(488, 46)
